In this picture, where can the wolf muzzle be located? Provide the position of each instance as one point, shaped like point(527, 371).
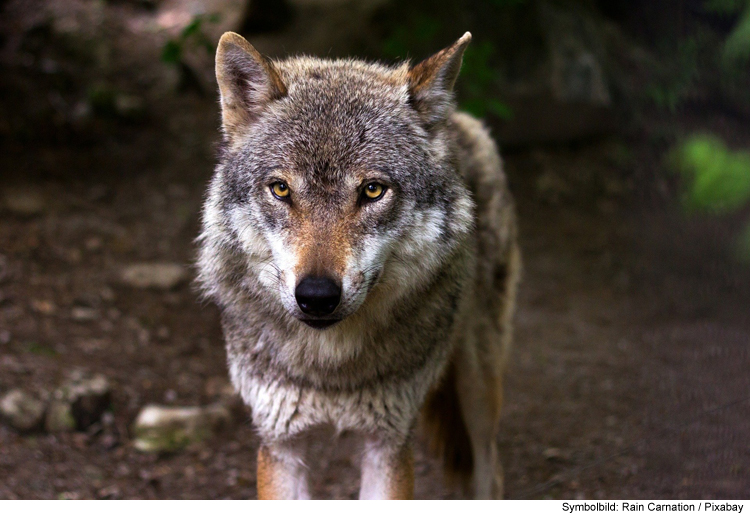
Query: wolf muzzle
point(318, 296)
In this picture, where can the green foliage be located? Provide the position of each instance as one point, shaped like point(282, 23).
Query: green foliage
point(192, 35)
point(415, 36)
point(679, 79)
point(706, 59)
point(479, 78)
point(737, 45)
point(725, 7)
point(718, 179)
point(102, 100)
point(171, 53)
point(39, 349)
point(479, 82)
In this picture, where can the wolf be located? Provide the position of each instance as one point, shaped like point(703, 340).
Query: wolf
point(360, 241)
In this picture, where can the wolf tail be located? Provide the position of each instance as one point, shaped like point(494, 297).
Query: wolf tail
point(446, 430)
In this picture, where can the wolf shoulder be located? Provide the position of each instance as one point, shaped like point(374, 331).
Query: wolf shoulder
point(478, 156)
point(482, 169)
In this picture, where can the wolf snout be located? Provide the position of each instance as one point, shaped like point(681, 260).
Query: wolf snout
point(318, 296)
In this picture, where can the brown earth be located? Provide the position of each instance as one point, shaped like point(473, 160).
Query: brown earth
point(631, 329)
point(629, 376)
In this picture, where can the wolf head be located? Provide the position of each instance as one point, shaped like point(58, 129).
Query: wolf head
point(337, 176)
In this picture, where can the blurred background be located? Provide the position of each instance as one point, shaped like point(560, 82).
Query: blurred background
point(624, 128)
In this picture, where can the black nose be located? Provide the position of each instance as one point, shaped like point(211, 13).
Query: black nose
point(318, 295)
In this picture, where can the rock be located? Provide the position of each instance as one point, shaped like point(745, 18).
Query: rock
point(576, 51)
point(23, 201)
point(560, 73)
point(84, 313)
point(156, 275)
point(89, 397)
point(43, 307)
point(22, 411)
point(163, 333)
point(78, 403)
point(161, 429)
point(129, 106)
point(59, 417)
point(553, 453)
point(109, 492)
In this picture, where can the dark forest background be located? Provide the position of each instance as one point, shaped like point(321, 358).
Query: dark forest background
point(624, 129)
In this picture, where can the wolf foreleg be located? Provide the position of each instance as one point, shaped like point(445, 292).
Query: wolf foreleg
point(281, 475)
point(387, 472)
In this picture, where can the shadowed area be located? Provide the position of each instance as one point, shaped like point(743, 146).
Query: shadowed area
point(632, 342)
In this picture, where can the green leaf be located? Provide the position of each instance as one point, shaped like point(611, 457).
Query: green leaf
point(718, 179)
point(724, 6)
point(171, 53)
point(475, 107)
point(194, 27)
point(476, 70)
point(41, 350)
point(426, 28)
point(737, 45)
point(500, 109)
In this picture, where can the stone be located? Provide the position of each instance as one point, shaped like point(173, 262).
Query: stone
point(576, 52)
point(59, 417)
point(154, 275)
point(554, 453)
point(162, 429)
point(84, 313)
point(23, 201)
point(559, 72)
point(129, 106)
point(22, 411)
point(78, 403)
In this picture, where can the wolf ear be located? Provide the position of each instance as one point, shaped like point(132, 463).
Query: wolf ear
point(431, 81)
point(247, 81)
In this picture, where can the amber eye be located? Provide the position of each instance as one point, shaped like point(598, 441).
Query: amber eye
point(280, 190)
point(374, 191)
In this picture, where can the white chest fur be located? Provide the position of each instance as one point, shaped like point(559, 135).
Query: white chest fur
point(281, 410)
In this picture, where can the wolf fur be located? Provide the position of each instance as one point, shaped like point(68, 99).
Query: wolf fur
point(427, 272)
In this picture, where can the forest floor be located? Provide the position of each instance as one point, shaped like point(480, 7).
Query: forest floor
point(629, 372)
point(631, 334)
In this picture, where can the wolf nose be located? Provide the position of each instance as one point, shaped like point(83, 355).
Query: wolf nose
point(318, 295)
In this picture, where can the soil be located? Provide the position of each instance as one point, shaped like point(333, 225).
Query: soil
point(632, 344)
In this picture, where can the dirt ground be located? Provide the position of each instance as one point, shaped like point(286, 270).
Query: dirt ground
point(632, 332)
point(629, 375)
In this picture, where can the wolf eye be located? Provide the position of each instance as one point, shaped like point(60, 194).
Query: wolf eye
point(373, 191)
point(280, 190)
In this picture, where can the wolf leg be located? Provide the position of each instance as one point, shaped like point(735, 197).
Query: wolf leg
point(480, 399)
point(480, 365)
point(387, 471)
point(282, 474)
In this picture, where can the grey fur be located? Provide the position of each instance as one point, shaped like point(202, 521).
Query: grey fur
point(425, 267)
